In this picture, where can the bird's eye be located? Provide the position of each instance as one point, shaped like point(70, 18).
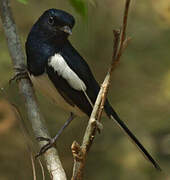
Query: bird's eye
point(51, 21)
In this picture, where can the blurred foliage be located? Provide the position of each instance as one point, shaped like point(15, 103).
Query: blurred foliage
point(23, 1)
point(162, 7)
point(80, 6)
point(140, 92)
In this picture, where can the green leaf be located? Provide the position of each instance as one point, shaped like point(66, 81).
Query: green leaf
point(80, 6)
point(23, 1)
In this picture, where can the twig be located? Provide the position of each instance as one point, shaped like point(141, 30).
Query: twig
point(33, 167)
point(29, 144)
point(119, 45)
point(123, 31)
point(52, 159)
point(42, 169)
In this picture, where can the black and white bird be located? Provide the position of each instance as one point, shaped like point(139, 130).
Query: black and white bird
point(61, 73)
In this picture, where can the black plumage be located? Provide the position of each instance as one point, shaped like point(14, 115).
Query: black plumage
point(48, 37)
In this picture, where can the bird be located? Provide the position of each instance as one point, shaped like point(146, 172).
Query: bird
point(63, 75)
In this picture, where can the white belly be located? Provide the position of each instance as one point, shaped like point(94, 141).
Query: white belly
point(44, 84)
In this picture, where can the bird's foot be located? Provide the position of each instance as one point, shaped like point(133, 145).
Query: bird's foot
point(99, 126)
point(51, 143)
point(21, 73)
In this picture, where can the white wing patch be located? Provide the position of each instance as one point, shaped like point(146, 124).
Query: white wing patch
point(62, 69)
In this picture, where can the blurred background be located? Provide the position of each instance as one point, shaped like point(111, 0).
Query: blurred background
point(140, 91)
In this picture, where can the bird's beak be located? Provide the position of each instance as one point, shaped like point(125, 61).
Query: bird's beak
point(66, 29)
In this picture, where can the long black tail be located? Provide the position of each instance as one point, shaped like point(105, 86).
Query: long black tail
point(113, 115)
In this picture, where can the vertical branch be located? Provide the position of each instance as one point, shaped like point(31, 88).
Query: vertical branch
point(119, 44)
point(52, 159)
point(80, 152)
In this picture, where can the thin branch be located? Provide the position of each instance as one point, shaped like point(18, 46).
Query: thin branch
point(29, 143)
point(123, 30)
point(33, 167)
point(42, 169)
point(52, 159)
point(80, 153)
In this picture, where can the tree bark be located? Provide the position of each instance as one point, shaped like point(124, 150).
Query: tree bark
point(53, 163)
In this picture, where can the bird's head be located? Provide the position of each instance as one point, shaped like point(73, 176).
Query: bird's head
point(54, 22)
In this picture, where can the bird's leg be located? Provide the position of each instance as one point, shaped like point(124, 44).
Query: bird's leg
point(51, 142)
point(21, 73)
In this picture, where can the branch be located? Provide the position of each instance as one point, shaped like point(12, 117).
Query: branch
point(52, 159)
point(80, 152)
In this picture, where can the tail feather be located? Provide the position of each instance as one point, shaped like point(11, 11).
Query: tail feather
point(113, 115)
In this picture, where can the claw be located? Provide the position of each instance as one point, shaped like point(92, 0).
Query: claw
point(42, 139)
point(50, 144)
point(21, 73)
point(99, 126)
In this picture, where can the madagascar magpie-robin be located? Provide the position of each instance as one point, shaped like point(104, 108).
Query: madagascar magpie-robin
point(59, 70)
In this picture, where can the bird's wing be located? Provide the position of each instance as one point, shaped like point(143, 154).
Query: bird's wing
point(73, 84)
point(79, 66)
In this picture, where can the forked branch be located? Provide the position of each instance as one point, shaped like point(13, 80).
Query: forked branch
point(80, 152)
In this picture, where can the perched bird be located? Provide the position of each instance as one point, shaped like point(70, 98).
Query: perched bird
point(59, 70)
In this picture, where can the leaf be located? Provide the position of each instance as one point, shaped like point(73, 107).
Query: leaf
point(93, 3)
point(23, 1)
point(80, 6)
